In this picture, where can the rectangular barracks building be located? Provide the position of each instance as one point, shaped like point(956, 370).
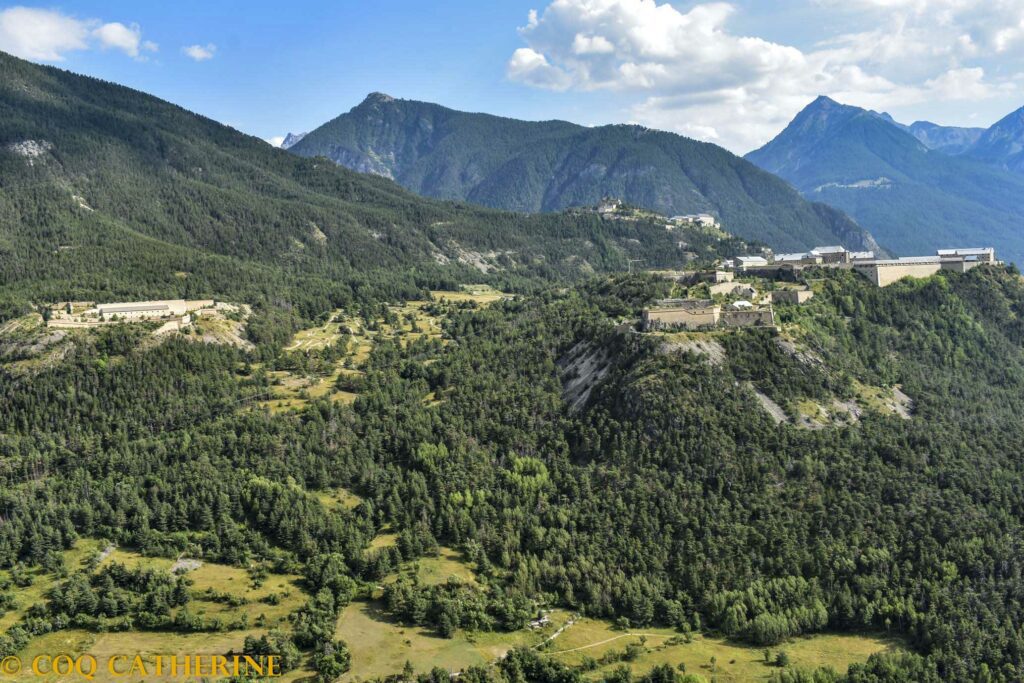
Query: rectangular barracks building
point(142, 310)
point(884, 272)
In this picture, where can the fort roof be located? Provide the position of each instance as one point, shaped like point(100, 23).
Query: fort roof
point(683, 303)
point(969, 251)
point(904, 260)
point(132, 308)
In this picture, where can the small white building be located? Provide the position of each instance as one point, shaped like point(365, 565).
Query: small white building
point(750, 262)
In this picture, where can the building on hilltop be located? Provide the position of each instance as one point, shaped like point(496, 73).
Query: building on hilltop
point(142, 310)
point(705, 220)
point(703, 314)
point(980, 254)
point(689, 314)
point(884, 272)
point(750, 262)
point(746, 314)
point(792, 296)
point(832, 254)
point(732, 289)
point(798, 259)
point(92, 315)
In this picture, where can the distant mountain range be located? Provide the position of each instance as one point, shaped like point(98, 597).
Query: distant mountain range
point(916, 188)
point(553, 165)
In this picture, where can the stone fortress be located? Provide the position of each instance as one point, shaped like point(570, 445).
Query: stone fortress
point(707, 314)
point(881, 272)
point(175, 314)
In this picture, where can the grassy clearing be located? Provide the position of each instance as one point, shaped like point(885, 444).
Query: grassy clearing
point(42, 582)
point(408, 322)
point(380, 646)
point(732, 661)
point(338, 499)
point(432, 571)
point(384, 540)
point(480, 294)
point(448, 563)
point(262, 614)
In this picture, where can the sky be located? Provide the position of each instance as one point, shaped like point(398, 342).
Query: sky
point(733, 73)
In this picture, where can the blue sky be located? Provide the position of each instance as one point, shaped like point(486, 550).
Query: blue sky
point(733, 73)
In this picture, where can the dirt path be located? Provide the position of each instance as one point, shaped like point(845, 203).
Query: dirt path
point(572, 620)
point(609, 640)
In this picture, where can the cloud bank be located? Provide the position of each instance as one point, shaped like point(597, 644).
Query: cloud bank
point(47, 35)
point(687, 71)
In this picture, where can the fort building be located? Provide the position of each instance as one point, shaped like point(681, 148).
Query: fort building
point(832, 254)
point(169, 310)
point(701, 314)
point(884, 272)
point(142, 310)
point(750, 262)
point(702, 219)
point(733, 289)
point(979, 254)
point(687, 314)
point(791, 296)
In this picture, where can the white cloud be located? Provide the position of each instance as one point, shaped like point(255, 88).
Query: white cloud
point(531, 67)
point(200, 53)
point(687, 71)
point(276, 140)
point(47, 35)
point(592, 45)
point(125, 38)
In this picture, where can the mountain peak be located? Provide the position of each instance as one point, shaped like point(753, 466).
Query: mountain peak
point(378, 98)
point(292, 139)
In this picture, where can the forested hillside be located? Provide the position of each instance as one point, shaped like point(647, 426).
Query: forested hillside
point(109, 193)
point(671, 498)
point(552, 165)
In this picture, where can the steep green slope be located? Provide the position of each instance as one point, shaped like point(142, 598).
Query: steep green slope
point(912, 199)
point(109, 192)
point(551, 165)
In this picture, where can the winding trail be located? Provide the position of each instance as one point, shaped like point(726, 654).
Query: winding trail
point(609, 640)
